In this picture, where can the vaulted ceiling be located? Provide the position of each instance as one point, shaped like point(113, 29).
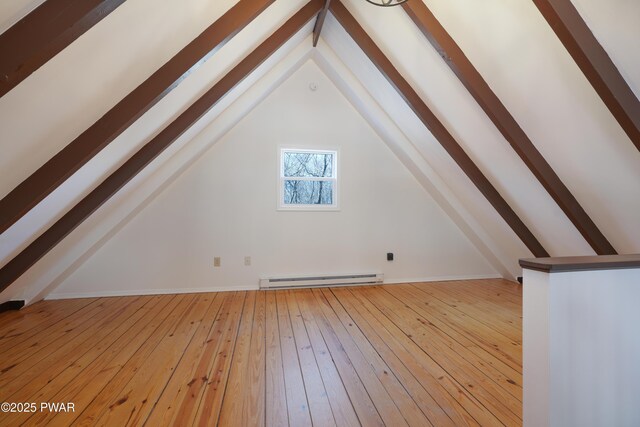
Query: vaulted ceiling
point(521, 119)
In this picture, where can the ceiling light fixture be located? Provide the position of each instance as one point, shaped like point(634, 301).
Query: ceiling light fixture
point(386, 3)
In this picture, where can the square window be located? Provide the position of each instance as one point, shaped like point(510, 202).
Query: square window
point(308, 179)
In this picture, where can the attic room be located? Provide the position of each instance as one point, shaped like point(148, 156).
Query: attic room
point(320, 212)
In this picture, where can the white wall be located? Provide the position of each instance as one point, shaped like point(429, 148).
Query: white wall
point(452, 103)
point(615, 25)
point(75, 88)
point(554, 104)
point(90, 76)
point(354, 90)
point(13, 11)
point(506, 244)
point(526, 65)
point(225, 205)
point(89, 236)
point(581, 348)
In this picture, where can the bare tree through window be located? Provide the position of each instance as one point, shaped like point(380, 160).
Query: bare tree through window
point(308, 177)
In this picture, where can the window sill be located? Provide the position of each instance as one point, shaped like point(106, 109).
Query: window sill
point(308, 209)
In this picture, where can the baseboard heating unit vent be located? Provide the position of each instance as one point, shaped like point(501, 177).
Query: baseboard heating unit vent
point(314, 281)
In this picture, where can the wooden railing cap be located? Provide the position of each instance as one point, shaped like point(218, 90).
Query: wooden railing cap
point(581, 263)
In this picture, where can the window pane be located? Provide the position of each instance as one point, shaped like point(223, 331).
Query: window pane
point(308, 164)
point(308, 192)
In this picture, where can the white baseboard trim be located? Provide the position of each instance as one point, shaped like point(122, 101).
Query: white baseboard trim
point(443, 278)
point(138, 292)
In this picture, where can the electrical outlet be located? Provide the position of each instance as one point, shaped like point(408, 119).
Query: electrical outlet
point(247, 260)
point(216, 261)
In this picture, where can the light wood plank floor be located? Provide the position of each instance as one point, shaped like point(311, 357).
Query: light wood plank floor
point(428, 354)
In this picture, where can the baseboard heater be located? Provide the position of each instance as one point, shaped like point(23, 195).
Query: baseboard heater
point(314, 281)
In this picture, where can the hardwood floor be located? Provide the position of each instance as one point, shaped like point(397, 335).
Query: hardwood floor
point(428, 354)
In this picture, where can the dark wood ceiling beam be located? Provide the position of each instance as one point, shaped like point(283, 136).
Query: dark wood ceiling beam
point(64, 164)
point(506, 124)
point(72, 219)
point(595, 63)
point(317, 28)
point(45, 32)
point(438, 130)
